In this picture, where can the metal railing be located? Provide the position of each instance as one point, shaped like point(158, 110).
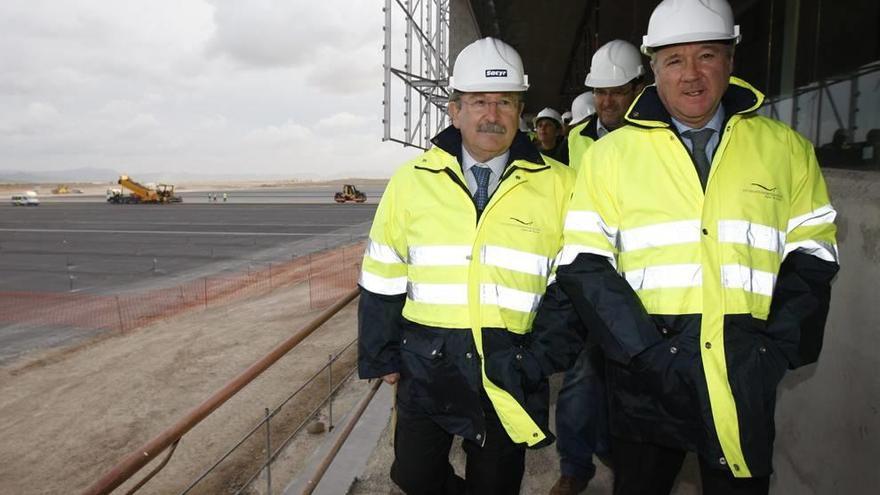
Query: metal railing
point(343, 436)
point(129, 465)
point(269, 414)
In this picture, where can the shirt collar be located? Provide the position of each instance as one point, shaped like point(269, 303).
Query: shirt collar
point(714, 123)
point(601, 130)
point(496, 164)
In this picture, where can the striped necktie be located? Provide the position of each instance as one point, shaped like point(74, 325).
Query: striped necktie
point(482, 175)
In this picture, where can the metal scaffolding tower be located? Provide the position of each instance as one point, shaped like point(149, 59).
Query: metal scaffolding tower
point(424, 54)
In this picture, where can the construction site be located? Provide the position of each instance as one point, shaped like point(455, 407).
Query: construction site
point(164, 338)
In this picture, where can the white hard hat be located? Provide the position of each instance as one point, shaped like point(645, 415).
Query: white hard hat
point(488, 64)
point(614, 64)
point(549, 113)
point(582, 107)
point(566, 117)
point(687, 21)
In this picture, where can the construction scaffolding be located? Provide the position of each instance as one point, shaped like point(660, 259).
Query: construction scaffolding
point(416, 67)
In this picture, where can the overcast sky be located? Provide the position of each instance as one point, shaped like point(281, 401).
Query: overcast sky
point(256, 87)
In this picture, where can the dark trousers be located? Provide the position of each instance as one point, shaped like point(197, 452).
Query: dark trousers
point(648, 469)
point(582, 415)
point(421, 459)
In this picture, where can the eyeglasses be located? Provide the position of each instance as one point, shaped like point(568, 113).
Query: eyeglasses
point(614, 92)
point(502, 105)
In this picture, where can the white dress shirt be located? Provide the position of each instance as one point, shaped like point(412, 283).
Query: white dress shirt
point(496, 165)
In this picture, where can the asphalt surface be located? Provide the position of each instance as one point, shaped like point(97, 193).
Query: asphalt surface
point(87, 246)
point(96, 247)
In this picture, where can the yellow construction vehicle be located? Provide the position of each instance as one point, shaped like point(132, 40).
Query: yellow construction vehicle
point(61, 189)
point(349, 193)
point(162, 193)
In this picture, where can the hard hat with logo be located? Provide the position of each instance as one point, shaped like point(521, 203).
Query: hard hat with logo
point(687, 21)
point(614, 64)
point(488, 64)
point(549, 113)
point(566, 117)
point(582, 107)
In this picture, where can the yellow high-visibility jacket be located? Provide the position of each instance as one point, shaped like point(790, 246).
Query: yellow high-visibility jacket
point(469, 284)
point(580, 137)
point(713, 294)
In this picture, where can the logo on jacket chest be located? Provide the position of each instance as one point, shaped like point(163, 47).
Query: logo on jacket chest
point(765, 190)
point(523, 223)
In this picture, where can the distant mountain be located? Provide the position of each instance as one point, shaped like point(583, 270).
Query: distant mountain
point(86, 174)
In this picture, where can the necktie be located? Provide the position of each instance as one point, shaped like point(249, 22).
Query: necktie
point(482, 176)
point(699, 140)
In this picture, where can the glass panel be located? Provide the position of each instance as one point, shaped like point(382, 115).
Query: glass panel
point(868, 116)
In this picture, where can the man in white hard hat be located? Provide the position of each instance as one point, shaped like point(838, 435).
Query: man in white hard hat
point(616, 77)
point(460, 253)
point(699, 248)
point(549, 138)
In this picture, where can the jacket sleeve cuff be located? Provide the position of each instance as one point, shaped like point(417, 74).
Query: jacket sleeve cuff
point(608, 307)
point(801, 299)
point(379, 328)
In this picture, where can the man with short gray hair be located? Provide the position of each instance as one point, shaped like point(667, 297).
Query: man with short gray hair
point(699, 249)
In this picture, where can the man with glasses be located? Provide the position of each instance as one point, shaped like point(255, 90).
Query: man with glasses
point(616, 77)
point(460, 253)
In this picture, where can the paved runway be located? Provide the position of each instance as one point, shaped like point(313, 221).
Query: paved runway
point(96, 247)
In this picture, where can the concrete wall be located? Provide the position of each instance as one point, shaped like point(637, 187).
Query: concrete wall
point(828, 417)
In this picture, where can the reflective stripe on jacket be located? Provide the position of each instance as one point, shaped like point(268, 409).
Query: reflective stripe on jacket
point(460, 270)
point(707, 268)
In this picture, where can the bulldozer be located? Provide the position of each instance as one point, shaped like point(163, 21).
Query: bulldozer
point(163, 193)
point(349, 193)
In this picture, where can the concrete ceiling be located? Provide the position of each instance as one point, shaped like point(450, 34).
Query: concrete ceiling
point(546, 34)
point(556, 38)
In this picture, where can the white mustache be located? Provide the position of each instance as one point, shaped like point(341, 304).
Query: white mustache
point(492, 128)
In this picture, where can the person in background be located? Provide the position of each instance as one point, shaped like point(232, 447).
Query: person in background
point(460, 253)
point(615, 76)
point(566, 122)
point(549, 137)
point(582, 109)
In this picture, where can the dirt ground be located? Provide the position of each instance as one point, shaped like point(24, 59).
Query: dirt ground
point(66, 417)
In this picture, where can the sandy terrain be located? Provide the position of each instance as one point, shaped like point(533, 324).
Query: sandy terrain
point(67, 417)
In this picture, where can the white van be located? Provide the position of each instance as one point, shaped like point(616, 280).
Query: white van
point(27, 199)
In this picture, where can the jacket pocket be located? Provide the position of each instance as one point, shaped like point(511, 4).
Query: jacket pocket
point(770, 361)
point(429, 377)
